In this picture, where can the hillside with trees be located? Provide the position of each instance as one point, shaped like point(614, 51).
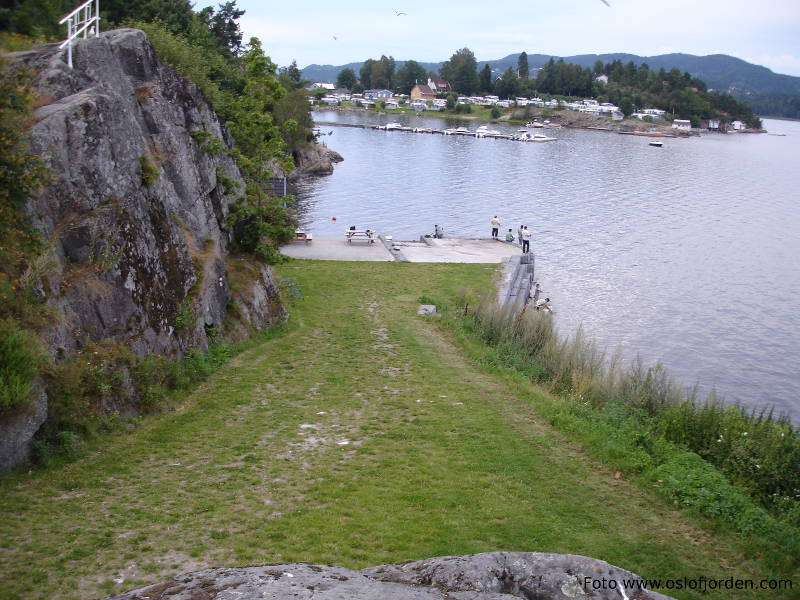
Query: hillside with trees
point(765, 92)
point(629, 86)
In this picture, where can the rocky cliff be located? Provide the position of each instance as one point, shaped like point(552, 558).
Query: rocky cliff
point(135, 213)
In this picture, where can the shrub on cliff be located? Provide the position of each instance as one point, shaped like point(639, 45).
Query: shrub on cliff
point(18, 364)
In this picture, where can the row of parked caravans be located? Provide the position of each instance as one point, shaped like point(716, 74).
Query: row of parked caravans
point(521, 135)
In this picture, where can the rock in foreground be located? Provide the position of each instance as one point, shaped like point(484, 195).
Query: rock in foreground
point(489, 576)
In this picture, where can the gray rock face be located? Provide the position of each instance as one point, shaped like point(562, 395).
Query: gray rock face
point(136, 206)
point(18, 426)
point(490, 576)
point(314, 160)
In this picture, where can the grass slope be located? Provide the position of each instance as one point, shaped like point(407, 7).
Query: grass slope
point(360, 434)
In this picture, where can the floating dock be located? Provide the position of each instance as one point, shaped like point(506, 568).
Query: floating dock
point(459, 131)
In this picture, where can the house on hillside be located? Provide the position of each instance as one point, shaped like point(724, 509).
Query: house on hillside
point(422, 92)
point(418, 104)
point(320, 86)
point(602, 79)
point(439, 86)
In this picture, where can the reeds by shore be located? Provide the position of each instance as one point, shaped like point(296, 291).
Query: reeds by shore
point(756, 450)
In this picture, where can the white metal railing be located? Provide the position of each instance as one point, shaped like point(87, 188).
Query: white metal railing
point(83, 20)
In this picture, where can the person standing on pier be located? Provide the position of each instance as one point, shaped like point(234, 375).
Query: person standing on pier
point(519, 235)
point(526, 239)
point(495, 227)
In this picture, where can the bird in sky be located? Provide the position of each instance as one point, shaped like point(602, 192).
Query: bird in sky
point(334, 37)
point(606, 3)
point(398, 13)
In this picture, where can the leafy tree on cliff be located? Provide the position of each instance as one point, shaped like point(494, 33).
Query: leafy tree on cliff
point(257, 136)
point(224, 27)
point(346, 79)
point(37, 18)
point(176, 15)
point(462, 72)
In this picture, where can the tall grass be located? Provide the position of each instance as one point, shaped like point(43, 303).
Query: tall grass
point(757, 451)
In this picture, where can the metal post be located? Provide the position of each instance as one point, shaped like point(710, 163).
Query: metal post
point(69, 47)
point(83, 20)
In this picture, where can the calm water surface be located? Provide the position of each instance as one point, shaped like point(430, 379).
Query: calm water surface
point(686, 254)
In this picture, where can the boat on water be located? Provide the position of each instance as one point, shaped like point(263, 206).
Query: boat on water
point(463, 131)
point(526, 136)
point(535, 125)
point(391, 126)
point(656, 144)
point(484, 131)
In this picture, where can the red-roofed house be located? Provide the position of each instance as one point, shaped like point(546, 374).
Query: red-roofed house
point(439, 86)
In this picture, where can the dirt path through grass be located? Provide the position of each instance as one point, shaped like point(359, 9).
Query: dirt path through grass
point(360, 436)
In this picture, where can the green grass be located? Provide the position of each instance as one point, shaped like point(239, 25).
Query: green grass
point(443, 456)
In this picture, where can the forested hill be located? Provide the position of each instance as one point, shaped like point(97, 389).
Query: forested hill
point(767, 93)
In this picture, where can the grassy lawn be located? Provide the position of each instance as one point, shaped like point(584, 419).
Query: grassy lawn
point(360, 434)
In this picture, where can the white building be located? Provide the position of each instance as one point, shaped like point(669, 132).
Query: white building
point(682, 125)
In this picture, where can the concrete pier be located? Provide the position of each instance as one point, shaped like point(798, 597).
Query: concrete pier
point(447, 250)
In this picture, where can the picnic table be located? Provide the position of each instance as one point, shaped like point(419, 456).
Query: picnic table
point(306, 236)
point(366, 234)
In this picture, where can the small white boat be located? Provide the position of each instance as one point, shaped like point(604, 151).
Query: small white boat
point(484, 131)
point(656, 144)
point(535, 137)
point(392, 126)
point(463, 131)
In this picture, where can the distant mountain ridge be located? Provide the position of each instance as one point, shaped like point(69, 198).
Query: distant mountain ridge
point(720, 71)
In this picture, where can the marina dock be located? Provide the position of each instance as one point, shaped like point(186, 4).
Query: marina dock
point(522, 135)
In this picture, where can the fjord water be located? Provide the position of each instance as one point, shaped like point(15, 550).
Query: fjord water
point(685, 254)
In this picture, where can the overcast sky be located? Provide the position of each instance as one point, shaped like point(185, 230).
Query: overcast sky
point(763, 32)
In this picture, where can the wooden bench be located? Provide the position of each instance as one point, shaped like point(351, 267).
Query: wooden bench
point(367, 235)
point(305, 236)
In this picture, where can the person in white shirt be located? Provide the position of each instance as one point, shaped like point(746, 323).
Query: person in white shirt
point(526, 239)
point(495, 226)
point(535, 292)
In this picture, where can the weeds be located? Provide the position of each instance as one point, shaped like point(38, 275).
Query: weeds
point(19, 358)
point(149, 171)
